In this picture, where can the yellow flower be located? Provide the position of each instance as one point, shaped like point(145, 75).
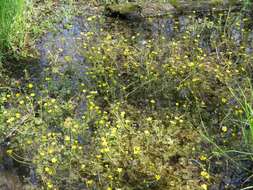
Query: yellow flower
point(82, 166)
point(54, 160)
point(122, 114)
point(74, 147)
point(157, 177)
point(18, 115)
point(203, 158)
point(240, 111)
point(119, 170)
point(224, 129)
point(9, 151)
point(30, 85)
point(89, 182)
point(152, 101)
point(146, 132)
point(89, 18)
point(12, 119)
point(104, 150)
point(47, 169)
point(204, 174)
point(224, 100)
point(49, 185)
point(93, 92)
point(173, 122)
point(50, 150)
point(104, 143)
point(195, 79)
point(110, 177)
point(98, 156)
point(67, 138)
point(42, 153)
point(204, 186)
point(191, 64)
point(137, 150)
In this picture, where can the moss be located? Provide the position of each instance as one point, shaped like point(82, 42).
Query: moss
point(157, 9)
point(124, 9)
point(174, 6)
point(140, 10)
point(175, 3)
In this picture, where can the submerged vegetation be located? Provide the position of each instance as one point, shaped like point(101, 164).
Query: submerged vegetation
point(104, 103)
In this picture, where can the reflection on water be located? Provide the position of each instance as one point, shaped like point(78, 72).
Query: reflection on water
point(9, 181)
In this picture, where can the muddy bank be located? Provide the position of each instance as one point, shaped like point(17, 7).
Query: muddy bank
point(134, 10)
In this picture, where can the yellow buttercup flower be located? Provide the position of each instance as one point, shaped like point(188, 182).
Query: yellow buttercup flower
point(54, 160)
point(224, 129)
point(67, 138)
point(30, 85)
point(157, 177)
point(137, 150)
point(204, 174)
point(119, 170)
point(203, 158)
point(204, 186)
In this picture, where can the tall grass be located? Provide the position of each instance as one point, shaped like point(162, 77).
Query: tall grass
point(244, 98)
point(10, 15)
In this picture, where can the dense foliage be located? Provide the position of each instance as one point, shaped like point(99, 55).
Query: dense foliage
point(149, 112)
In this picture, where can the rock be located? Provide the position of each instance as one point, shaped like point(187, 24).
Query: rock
point(187, 7)
point(125, 10)
point(135, 10)
point(157, 9)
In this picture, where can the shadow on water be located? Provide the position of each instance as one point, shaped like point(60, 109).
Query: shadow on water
point(22, 68)
point(10, 172)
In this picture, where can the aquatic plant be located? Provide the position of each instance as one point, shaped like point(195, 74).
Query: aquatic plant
point(134, 118)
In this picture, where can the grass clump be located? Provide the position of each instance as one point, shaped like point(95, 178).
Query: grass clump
point(10, 16)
